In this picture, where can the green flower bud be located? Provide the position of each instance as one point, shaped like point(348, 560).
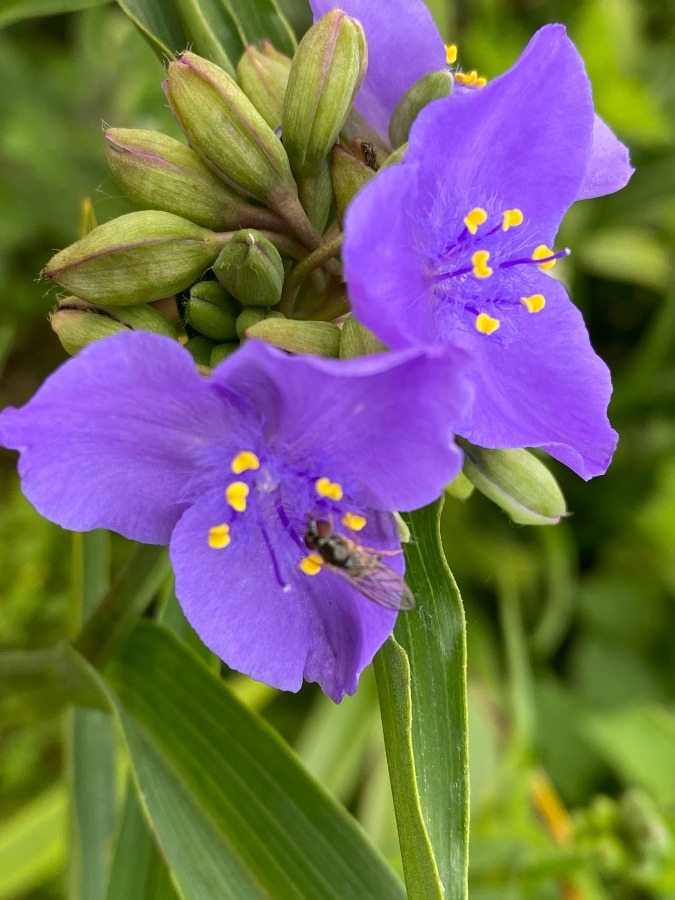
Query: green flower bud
point(357, 340)
point(432, 86)
point(263, 76)
point(348, 175)
point(136, 258)
point(328, 69)
point(78, 323)
point(317, 338)
point(224, 126)
point(222, 351)
point(251, 316)
point(250, 268)
point(517, 482)
point(396, 157)
point(460, 487)
point(157, 172)
point(201, 349)
point(212, 311)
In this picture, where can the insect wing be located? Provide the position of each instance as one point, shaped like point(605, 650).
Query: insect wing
point(380, 584)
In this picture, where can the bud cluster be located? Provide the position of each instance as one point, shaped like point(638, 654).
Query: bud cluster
point(239, 229)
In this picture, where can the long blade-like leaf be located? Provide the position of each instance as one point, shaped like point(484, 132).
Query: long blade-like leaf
point(422, 684)
point(232, 809)
point(15, 10)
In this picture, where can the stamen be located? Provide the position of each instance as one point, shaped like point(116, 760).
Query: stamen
point(542, 252)
point(479, 262)
point(236, 494)
point(450, 54)
point(480, 81)
point(311, 565)
point(327, 488)
point(244, 461)
point(512, 218)
point(486, 324)
point(475, 218)
point(219, 537)
point(353, 521)
point(535, 303)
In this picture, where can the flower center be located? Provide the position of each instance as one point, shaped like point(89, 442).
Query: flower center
point(476, 269)
point(282, 501)
point(465, 79)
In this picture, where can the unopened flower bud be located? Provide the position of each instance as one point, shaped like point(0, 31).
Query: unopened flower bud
point(211, 311)
point(224, 126)
point(201, 348)
point(78, 323)
point(263, 76)
point(222, 351)
point(432, 86)
point(136, 258)
point(357, 340)
point(157, 172)
point(317, 338)
point(460, 487)
point(348, 175)
point(517, 482)
point(250, 268)
point(328, 69)
point(251, 316)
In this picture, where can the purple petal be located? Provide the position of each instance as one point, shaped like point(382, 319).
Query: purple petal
point(403, 45)
point(524, 138)
point(609, 167)
point(112, 437)
point(320, 629)
point(375, 416)
point(548, 389)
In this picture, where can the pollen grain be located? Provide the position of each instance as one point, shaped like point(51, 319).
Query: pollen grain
point(474, 218)
point(512, 218)
point(486, 324)
point(236, 494)
point(450, 54)
point(244, 461)
point(353, 522)
point(311, 565)
point(543, 252)
point(327, 488)
point(535, 303)
point(219, 537)
point(479, 261)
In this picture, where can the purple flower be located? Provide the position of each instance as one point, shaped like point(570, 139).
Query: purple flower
point(228, 470)
point(463, 257)
point(404, 44)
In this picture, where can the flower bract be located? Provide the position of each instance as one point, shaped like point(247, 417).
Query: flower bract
point(229, 471)
point(465, 256)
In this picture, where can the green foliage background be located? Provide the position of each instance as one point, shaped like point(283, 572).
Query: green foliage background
point(571, 629)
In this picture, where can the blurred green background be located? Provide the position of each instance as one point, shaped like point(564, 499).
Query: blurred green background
point(571, 629)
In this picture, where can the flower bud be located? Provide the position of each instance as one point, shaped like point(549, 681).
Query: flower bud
point(348, 176)
point(328, 69)
point(317, 338)
point(460, 487)
point(251, 316)
point(432, 86)
point(78, 323)
point(263, 76)
point(212, 312)
point(136, 258)
point(224, 126)
point(222, 351)
point(517, 482)
point(157, 172)
point(200, 348)
point(250, 268)
point(357, 340)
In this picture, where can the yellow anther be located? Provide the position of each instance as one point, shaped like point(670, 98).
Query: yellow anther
point(486, 324)
point(535, 303)
point(236, 494)
point(512, 218)
point(244, 461)
point(219, 537)
point(353, 522)
point(473, 219)
point(481, 82)
point(479, 262)
point(542, 252)
point(450, 53)
point(327, 488)
point(311, 565)
point(460, 77)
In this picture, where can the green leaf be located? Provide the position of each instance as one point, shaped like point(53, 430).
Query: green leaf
point(233, 811)
point(15, 10)
point(217, 29)
point(421, 679)
point(32, 844)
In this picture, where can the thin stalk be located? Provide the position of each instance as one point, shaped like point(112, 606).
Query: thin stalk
point(304, 269)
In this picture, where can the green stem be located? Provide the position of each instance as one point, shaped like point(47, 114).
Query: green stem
point(304, 269)
point(517, 662)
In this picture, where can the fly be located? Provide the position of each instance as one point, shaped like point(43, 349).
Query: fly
point(361, 567)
